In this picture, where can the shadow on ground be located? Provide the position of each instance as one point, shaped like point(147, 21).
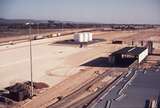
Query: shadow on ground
point(72, 42)
point(104, 62)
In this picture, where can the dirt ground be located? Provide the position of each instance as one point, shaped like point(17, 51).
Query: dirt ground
point(53, 64)
point(144, 35)
point(21, 34)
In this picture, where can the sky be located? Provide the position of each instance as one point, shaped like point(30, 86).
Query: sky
point(99, 11)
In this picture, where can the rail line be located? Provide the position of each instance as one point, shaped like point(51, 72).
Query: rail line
point(89, 100)
point(69, 98)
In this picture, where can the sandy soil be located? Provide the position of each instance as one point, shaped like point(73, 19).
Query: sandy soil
point(144, 35)
point(46, 60)
point(52, 64)
point(24, 33)
point(64, 88)
point(114, 35)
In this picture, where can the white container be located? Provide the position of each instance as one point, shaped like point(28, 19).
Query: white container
point(54, 35)
point(89, 37)
point(58, 34)
point(81, 37)
point(85, 35)
point(76, 37)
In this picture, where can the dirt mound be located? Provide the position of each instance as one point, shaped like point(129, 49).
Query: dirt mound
point(5, 101)
point(22, 91)
point(18, 92)
point(37, 85)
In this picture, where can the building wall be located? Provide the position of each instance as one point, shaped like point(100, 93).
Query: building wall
point(115, 59)
point(143, 55)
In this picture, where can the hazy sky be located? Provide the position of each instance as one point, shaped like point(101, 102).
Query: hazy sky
point(103, 11)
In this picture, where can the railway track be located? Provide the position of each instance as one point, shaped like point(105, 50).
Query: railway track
point(106, 91)
point(89, 100)
point(64, 101)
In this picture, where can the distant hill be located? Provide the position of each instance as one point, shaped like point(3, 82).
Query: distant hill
point(10, 21)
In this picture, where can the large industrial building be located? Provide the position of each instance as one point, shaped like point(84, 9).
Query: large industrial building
point(128, 54)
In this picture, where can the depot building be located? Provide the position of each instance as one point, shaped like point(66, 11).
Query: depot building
point(128, 54)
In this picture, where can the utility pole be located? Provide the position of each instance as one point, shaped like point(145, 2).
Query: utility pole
point(38, 29)
point(30, 50)
point(62, 28)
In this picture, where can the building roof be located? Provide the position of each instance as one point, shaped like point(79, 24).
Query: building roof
point(135, 51)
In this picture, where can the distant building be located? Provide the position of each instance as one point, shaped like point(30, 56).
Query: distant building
point(83, 37)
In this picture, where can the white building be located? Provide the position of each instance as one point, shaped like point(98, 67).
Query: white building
point(83, 37)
